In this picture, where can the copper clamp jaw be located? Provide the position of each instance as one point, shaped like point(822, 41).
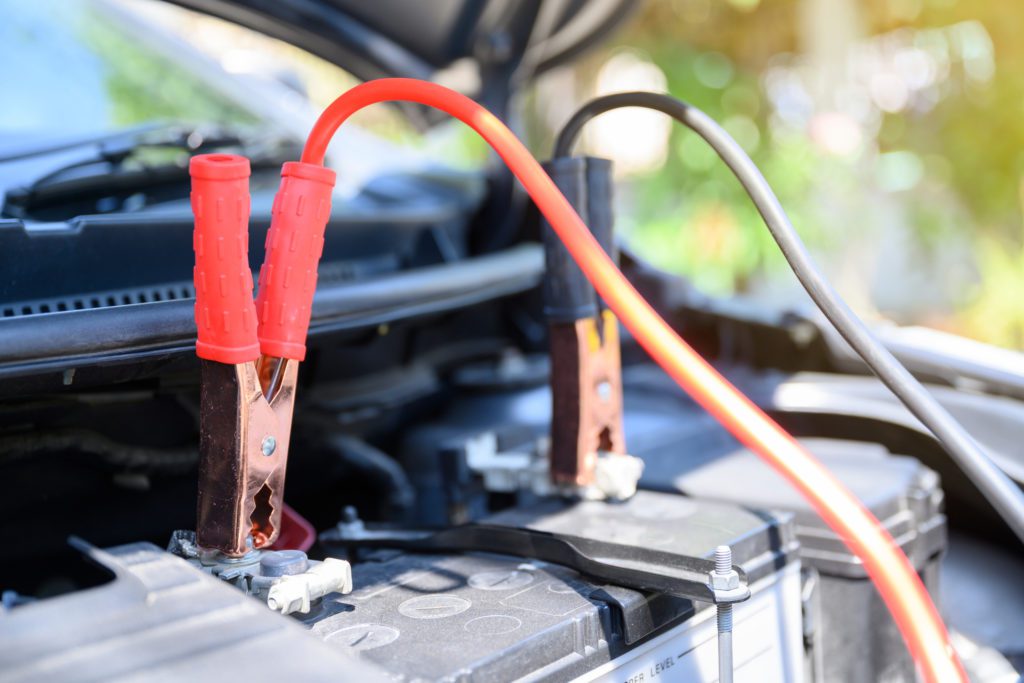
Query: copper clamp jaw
point(586, 389)
point(243, 451)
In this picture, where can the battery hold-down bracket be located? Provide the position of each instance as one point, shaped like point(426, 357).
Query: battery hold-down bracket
point(629, 566)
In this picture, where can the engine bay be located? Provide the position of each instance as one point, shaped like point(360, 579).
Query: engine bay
point(523, 457)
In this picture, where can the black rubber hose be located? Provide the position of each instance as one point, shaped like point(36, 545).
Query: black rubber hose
point(380, 470)
point(1002, 493)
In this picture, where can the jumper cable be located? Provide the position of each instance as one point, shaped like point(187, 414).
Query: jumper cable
point(890, 570)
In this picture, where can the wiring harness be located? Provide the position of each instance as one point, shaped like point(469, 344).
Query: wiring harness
point(889, 569)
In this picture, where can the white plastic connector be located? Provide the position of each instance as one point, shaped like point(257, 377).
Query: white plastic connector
point(295, 593)
point(616, 475)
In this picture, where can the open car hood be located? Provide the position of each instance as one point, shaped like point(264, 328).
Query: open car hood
point(484, 48)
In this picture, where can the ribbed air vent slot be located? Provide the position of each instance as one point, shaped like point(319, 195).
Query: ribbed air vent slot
point(333, 271)
point(121, 297)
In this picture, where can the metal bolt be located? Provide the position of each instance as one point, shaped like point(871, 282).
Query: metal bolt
point(723, 559)
point(604, 390)
point(269, 446)
point(723, 566)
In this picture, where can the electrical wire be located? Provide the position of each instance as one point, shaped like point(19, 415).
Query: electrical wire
point(890, 570)
point(999, 489)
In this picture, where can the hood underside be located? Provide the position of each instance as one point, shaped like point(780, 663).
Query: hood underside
point(485, 48)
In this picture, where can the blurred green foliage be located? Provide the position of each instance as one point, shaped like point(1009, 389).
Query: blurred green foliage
point(143, 85)
point(691, 215)
point(948, 171)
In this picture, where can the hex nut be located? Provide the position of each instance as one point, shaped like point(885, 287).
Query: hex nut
point(724, 582)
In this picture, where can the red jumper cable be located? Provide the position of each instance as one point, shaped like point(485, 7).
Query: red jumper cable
point(889, 569)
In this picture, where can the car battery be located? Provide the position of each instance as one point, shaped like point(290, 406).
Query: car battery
point(856, 639)
point(486, 617)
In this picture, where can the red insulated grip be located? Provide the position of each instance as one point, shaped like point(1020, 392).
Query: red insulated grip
point(225, 313)
point(294, 245)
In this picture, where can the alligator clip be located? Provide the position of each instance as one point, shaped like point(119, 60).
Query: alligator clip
point(250, 350)
point(586, 371)
point(586, 390)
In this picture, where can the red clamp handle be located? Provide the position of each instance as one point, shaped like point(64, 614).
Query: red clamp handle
point(225, 313)
point(294, 245)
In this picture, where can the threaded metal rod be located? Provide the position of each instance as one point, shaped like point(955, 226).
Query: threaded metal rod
point(723, 565)
point(723, 559)
point(725, 618)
